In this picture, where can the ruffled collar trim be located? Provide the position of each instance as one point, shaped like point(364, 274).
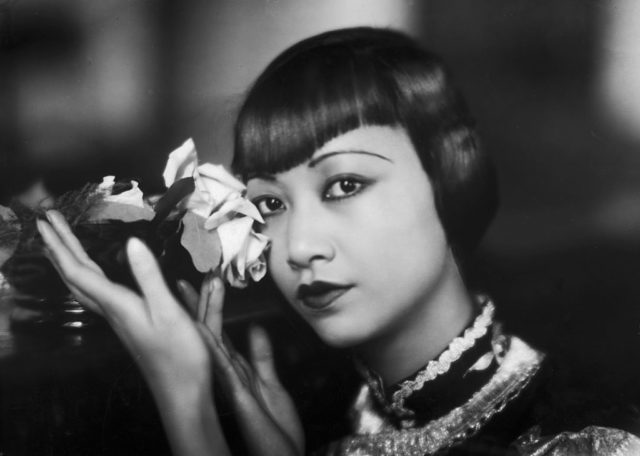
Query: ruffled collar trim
point(447, 381)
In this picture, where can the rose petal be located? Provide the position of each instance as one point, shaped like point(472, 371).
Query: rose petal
point(256, 245)
point(233, 278)
point(223, 213)
point(124, 212)
point(106, 186)
point(258, 269)
point(199, 203)
point(249, 209)
point(204, 246)
point(239, 262)
point(229, 208)
point(182, 162)
point(214, 191)
point(249, 254)
point(220, 174)
point(133, 196)
point(233, 235)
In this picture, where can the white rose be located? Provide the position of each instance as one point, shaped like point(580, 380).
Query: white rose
point(127, 206)
point(218, 199)
point(181, 163)
point(133, 196)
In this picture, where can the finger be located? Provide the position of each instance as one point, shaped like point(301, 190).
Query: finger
point(149, 278)
point(223, 364)
point(82, 298)
point(114, 299)
point(205, 292)
point(228, 344)
point(243, 368)
point(189, 297)
point(214, 304)
point(262, 358)
point(63, 230)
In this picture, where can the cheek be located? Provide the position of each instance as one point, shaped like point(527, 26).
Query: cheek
point(407, 224)
point(410, 247)
point(278, 268)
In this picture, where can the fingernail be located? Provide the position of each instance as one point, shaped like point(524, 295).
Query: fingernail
point(49, 215)
point(40, 224)
point(136, 250)
point(134, 244)
point(216, 283)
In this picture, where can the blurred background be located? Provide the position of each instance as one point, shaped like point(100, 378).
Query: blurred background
point(110, 87)
point(89, 88)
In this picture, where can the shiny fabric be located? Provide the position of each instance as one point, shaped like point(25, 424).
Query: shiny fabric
point(433, 397)
point(377, 433)
point(592, 440)
point(518, 365)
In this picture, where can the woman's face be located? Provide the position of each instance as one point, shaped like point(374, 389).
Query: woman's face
point(357, 245)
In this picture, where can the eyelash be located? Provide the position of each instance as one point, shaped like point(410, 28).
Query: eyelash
point(258, 202)
point(360, 183)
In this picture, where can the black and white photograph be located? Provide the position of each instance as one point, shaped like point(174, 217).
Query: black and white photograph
point(331, 228)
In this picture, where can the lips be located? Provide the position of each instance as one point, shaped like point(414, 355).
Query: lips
point(320, 295)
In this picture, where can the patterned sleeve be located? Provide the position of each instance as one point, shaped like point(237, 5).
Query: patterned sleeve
point(592, 440)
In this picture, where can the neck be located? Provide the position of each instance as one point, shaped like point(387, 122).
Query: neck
point(423, 335)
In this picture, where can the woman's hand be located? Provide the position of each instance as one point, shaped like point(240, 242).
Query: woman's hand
point(165, 341)
point(265, 412)
point(153, 326)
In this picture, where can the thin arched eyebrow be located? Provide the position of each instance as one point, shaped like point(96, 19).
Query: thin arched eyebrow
point(314, 161)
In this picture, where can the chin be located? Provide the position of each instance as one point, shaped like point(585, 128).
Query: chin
point(341, 336)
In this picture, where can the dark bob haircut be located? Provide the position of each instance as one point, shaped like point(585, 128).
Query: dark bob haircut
point(337, 81)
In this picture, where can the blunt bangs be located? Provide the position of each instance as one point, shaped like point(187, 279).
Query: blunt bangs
point(338, 81)
point(297, 106)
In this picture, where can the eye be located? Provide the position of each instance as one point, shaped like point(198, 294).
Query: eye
point(344, 187)
point(268, 205)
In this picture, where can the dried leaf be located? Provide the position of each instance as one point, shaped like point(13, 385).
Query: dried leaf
point(9, 233)
point(203, 245)
point(7, 214)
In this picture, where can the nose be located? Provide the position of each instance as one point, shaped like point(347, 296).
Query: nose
point(308, 240)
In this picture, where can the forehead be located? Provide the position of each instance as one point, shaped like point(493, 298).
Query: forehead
point(362, 148)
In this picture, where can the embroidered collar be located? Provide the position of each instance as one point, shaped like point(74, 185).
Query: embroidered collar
point(517, 367)
point(474, 350)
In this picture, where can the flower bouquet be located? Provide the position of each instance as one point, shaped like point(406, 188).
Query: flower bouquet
point(201, 225)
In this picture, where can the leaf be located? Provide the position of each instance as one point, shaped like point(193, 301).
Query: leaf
point(172, 198)
point(9, 233)
point(7, 214)
point(203, 245)
point(108, 210)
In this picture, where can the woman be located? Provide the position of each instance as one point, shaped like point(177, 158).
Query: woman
point(362, 158)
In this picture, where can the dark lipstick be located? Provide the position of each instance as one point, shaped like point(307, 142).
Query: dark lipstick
point(320, 295)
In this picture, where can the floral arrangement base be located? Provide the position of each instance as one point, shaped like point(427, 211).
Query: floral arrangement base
point(51, 313)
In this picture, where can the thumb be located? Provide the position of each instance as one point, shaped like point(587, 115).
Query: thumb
point(261, 353)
